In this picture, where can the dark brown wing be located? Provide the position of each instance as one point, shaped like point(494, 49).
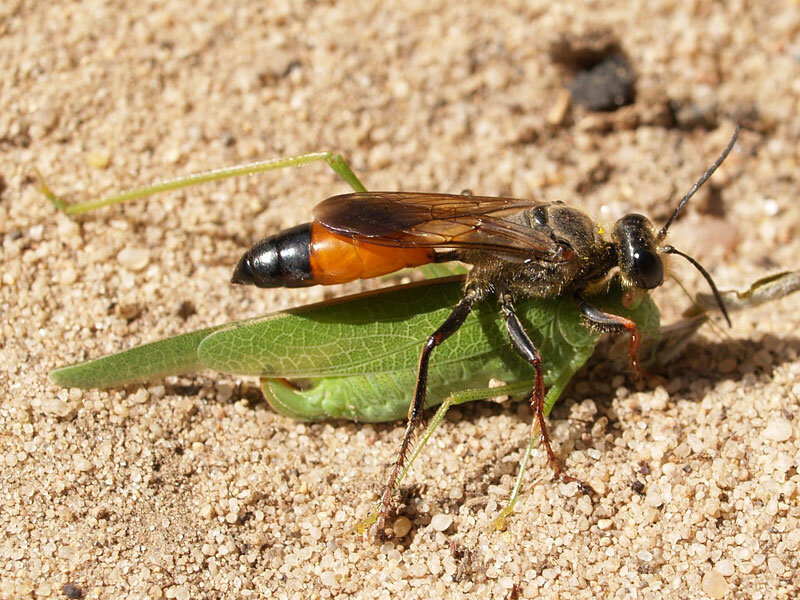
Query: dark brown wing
point(422, 220)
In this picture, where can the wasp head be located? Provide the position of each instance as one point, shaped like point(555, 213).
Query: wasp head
point(639, 247)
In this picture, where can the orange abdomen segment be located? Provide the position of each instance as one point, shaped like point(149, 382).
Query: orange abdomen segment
point(335, 258)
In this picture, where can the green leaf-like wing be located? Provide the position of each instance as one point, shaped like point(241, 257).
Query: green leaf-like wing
point(173, 356)
point(359, 355)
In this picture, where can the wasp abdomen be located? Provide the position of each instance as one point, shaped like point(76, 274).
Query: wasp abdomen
point(281, 260)
point(310, 254)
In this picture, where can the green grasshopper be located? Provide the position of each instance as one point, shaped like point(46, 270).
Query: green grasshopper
point(357, 356)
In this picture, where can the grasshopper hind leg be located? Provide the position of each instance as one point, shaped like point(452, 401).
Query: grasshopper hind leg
point(333, 159)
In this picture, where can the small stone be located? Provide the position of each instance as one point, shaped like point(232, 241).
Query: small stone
point(569, 489)
point(83, 465)
point(441, 522)
point(742, 554)
point(506, 582)
point(401, 526)
point(120, 409)
point(762, 358)
point(657, 401)
point(56, 407)
point(604, 524)
point(72, 591)
point(42, 122)
point(558, 112)
point(67, 276)
point(133, 259)
point(778, 430)
point(140, 396)
point(67, 228)
point(725, 567)
point(771, 207)
point(775, 565)
point(129, 311)
point(715, 585)
point(207, 511)
point(225, 393)
point(653, 497)
point(98, 160)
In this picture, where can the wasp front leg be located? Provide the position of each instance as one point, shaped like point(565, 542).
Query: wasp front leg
point(415, 410)
point(612, 323)
point(525, 348)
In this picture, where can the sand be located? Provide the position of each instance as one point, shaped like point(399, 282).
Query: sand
point(189, 488)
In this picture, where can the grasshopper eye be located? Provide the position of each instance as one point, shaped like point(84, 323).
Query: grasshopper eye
point(647, 269)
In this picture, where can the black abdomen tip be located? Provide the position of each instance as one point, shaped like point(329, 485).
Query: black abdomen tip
point(243, 273)
point(281, 260)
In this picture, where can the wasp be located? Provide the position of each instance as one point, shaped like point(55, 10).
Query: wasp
point(517, 249)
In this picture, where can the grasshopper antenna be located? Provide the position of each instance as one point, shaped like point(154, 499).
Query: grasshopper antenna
point(663, 233)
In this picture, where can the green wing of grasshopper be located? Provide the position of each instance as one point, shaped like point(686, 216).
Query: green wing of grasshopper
point(172, 356)
point(360, 354)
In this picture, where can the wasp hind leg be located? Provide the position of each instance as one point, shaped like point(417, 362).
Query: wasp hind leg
point(524, 346)
point(415, 410)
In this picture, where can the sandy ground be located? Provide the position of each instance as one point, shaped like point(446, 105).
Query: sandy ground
point(187, 490)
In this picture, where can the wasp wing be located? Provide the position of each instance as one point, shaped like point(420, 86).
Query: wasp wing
point(422, 220)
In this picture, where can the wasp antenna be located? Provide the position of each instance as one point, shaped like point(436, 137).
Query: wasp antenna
point(704, 273)
point(663, 233)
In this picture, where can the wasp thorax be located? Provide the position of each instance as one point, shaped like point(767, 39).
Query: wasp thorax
point(637, 252)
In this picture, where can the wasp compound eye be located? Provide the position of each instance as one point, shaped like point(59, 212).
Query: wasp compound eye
point(647, 269)
point(636, 251)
